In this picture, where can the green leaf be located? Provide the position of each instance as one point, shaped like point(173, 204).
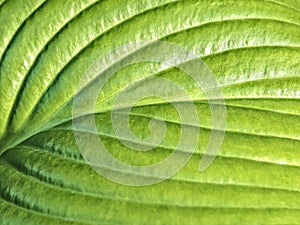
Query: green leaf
point(250, 46)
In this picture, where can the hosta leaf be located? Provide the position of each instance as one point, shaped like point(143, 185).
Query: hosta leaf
point(251, 48)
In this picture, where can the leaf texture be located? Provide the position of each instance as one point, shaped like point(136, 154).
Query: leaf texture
point(252, 48)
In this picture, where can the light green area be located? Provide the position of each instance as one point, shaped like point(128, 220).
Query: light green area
point(252, 48)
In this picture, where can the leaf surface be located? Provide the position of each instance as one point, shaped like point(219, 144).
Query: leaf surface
point(251, 47)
